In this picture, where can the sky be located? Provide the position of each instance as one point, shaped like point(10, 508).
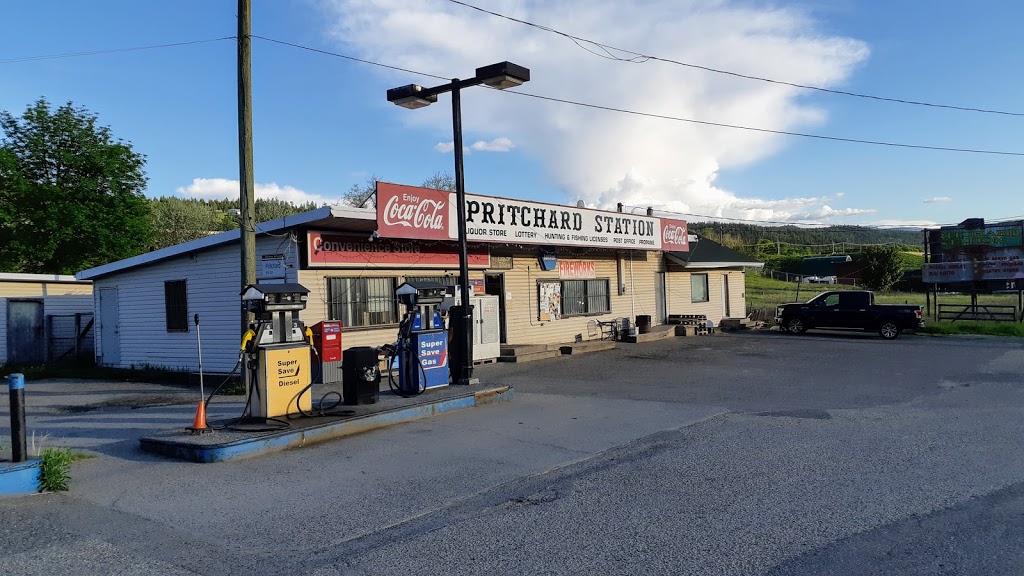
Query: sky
point(322, 124)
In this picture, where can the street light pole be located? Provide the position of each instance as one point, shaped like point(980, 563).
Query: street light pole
point(500, 76)
point(465, 335)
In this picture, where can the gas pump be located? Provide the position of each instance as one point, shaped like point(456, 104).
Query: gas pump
point(277, 348)
point(422, 339)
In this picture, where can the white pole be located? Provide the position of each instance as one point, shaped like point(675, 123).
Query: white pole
point(632, 298)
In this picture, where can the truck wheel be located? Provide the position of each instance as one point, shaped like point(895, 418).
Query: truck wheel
point(796, 325)
point(889, 330)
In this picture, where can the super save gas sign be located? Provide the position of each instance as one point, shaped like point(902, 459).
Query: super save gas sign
point(423, 213)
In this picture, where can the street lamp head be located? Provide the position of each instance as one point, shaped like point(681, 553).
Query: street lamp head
point(409, 97)
point(503, 75)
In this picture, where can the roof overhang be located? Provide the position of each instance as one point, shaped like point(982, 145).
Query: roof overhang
point(680, 259)
point(325, 218)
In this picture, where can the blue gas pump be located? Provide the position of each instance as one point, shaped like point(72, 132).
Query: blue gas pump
point(422, 340)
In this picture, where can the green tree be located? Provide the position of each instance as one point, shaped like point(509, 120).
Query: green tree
point(71, 196)
point(177, 220)
point(880, 267)
point(272, 209)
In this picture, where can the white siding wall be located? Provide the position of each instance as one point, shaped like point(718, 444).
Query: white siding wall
point(679, 296)
point(213, 287)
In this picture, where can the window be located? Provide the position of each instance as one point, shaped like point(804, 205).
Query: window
point(698, 287)
point(585, 297)
point(362, 301)
point(176, 305)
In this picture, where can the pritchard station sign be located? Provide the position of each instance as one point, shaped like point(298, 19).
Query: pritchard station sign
point(411, 212)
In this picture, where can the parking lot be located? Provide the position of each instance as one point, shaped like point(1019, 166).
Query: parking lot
point(745, 453)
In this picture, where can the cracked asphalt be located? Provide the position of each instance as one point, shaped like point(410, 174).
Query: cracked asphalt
point(735, 454)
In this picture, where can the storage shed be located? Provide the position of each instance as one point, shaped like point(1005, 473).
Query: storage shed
point(44, 318)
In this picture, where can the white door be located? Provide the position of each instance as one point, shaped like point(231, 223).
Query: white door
point(660, 302)
point(725, 295)
point(110, 330)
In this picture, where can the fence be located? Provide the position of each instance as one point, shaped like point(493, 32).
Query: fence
point(989, 312)
point(806, 279)
point(69, 337)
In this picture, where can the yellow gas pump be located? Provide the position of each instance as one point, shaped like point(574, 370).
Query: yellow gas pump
point(277, 374)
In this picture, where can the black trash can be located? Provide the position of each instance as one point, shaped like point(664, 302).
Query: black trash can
point(643, 324)
point(360, 375)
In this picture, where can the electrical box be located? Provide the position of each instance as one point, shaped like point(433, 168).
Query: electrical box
point(486, 327)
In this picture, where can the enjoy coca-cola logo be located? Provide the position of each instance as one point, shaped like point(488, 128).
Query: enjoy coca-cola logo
point(415, 212)
point(673, 234)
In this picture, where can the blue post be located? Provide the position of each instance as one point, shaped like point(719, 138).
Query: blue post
point(19, 443)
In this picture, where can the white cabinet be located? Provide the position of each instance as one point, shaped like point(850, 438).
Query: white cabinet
point(486, 328)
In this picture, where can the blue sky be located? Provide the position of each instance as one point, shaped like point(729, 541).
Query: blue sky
point(322, 123)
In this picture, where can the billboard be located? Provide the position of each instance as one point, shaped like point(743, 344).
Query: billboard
point(974, 251)
point(423, 213)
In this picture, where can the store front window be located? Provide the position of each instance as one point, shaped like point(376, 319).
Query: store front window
point(362, 301)
point(585, 297)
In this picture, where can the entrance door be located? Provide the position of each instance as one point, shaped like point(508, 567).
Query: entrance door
point(25, 343)
point(494, 284)
point(725, 295)
point(110, 330)
point(660, 302)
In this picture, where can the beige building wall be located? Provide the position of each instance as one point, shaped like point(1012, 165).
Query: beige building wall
point(680, 298)
point(633, 274)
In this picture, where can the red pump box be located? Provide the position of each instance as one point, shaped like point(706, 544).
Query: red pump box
point(327, 340)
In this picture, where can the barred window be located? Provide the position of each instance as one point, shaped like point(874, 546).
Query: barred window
point(585, 297)
point(176, 305)
point(362, 301)
point(698, 287)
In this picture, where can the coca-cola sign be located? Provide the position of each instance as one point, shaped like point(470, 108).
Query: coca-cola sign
point(412, 212)
point(674, 236)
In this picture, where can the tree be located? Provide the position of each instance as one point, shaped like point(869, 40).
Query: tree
point(71, 196)
point(272, 209)
point(177, 220)
point(440, 181)
point(880, 267)
point(362, 195)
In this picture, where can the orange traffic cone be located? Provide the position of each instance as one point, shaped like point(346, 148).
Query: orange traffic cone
point(199, 423)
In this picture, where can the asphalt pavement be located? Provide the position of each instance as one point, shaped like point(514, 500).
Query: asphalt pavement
point(746, 453)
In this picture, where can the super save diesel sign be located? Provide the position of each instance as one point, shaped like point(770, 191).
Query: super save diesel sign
point(411, 212)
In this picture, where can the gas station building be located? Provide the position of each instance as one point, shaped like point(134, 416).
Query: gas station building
point(550, 274)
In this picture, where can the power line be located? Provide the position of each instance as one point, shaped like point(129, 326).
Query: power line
point(111, 51)
point(666, 117)
point(352, 58)
point(769, 131)
point(640, 58)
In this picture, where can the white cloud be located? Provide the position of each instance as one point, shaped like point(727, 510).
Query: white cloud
point(220, 188)
point(937, 200)
point(605, 157)
point(907, 223)
point(497, 145)
point(501, 144)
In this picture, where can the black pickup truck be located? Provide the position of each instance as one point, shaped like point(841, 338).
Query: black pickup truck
point(849, 309)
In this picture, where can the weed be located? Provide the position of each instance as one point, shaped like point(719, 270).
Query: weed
point(55, 469)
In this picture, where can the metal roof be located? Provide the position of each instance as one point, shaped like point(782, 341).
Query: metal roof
point(17, 277)
point(325, 218)
point(706, 253)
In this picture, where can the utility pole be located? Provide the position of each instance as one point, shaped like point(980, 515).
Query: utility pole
point(246, 188)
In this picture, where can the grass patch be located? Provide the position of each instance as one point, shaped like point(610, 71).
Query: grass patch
point(1015, 329)
point(55, 469)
